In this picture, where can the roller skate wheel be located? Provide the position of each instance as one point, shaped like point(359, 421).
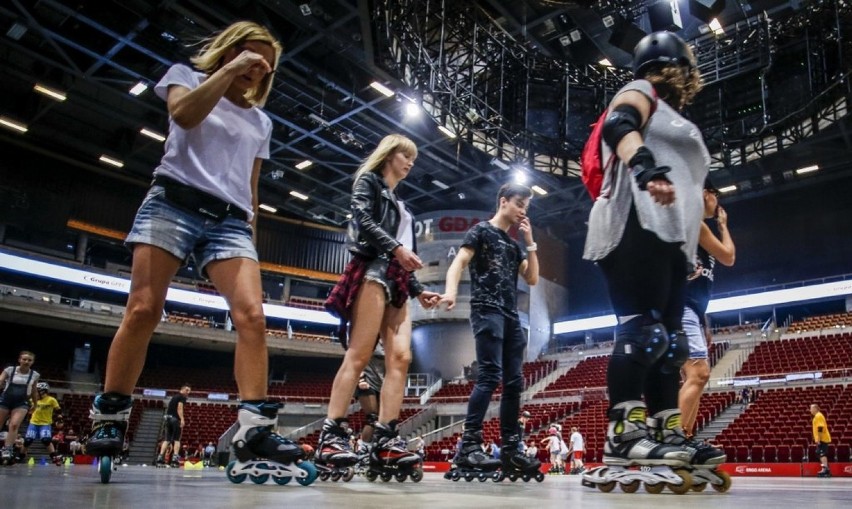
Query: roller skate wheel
point(630, 487)
point(699, 487)
point(526, 477)
point(448, 475)
point(348, 474)
point(455, 475)
point(498, 476)
point(416, 475)
point(310, 473)
point(655, 489)
point(606, 487)
point(482, 477)
point(468, 476)
point(259, 479)
point(400, 476)
point(684, 486)
point(335, 476)
point(281, 481)
point(232, 475)
point(539, 477)
point(371, 476)
point(105, 468)
point(726, 482)
point(513, 477)
point(386, 476)
point(324, 476)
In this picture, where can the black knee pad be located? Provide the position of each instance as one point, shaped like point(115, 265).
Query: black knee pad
point(677, 352)
point(46, 440)
point(370, 419)
point(642, 339)
point(28, 442)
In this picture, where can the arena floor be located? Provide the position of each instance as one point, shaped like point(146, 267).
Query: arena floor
point(79, 486)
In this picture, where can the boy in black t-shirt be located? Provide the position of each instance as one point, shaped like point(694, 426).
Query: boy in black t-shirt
point(495, 261)
point(174, 423)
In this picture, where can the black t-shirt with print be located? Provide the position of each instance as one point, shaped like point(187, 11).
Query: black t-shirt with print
point(698, 288)
point(494, 268)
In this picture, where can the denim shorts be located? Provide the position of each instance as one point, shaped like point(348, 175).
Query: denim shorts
point(182, 233)
point(695, 332)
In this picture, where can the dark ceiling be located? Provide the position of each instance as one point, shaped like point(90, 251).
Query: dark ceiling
point(779, 68)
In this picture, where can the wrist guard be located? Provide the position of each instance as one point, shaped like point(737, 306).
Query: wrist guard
point(644, 168)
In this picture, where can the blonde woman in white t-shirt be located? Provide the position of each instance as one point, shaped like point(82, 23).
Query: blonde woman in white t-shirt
point(203, 202)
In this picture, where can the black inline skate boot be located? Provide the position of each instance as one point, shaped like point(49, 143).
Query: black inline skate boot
point(516, 464)
point(389, 457)
point(109, 414)
point(629, 445)
point(335, 459)
point(666, 428)
point(473, 462)
point(261, 452)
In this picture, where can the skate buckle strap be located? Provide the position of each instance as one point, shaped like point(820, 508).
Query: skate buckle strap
point(95, 416)
point(630, 436)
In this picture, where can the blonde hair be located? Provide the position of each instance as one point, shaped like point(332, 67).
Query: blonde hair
point(676, 87)
point(209, 58)
point(390, 145)
point(26, 352)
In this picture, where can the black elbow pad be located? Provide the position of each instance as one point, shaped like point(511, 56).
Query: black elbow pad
point(621, 121)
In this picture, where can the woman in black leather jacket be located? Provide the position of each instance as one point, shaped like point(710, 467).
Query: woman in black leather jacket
point(373, 294)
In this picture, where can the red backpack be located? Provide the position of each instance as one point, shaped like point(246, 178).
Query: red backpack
point(591, 159)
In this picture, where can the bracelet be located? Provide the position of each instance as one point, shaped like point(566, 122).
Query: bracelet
point(532, 247)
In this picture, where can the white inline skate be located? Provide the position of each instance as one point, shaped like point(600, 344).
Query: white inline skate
point(632, 457)
point(262, 453)
point(665, 426)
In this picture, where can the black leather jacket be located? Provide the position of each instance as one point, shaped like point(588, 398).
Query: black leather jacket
point(374, 216)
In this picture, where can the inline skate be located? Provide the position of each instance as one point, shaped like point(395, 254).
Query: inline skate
point(632, 456)
point(473, 462)
point(665, 427)
point(262, 453)
point(56, 459)
point(390, 459)
point(335, 460)
point(7, 456)
point(160, 461)
point(109, 414)
point(516, 465)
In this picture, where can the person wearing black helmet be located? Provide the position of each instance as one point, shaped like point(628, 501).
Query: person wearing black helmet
point(643, 233)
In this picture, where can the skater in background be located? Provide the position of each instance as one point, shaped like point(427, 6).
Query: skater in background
point(372, 294)
point(173, 423)
point(45, 411)
point(18, 384)
point(496, 260)
point(643, 232)
point(203, 202)
point(711, 249)
point(577, 448)
point(821, 438)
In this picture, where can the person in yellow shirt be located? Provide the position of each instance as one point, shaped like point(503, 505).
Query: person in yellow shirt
point(822, 438)
point(41, 422)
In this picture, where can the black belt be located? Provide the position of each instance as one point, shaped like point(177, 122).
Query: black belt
point(195, 200)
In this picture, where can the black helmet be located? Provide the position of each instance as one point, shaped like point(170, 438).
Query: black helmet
point(659, 49)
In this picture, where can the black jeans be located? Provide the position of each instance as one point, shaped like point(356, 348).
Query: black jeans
point(500, 344)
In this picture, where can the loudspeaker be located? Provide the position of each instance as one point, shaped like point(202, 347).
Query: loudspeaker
point(706, 10)
point(626, 35)
point(665, 15)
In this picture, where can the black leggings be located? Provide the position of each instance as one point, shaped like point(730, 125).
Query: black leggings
point(645, 276)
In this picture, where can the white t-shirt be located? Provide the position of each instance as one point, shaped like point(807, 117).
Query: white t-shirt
point(576, 440)
point(404, 233)
point(217, 155)
point(20, 378)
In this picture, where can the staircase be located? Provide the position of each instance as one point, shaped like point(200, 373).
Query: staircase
point(721, 422)
point(143, 448)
